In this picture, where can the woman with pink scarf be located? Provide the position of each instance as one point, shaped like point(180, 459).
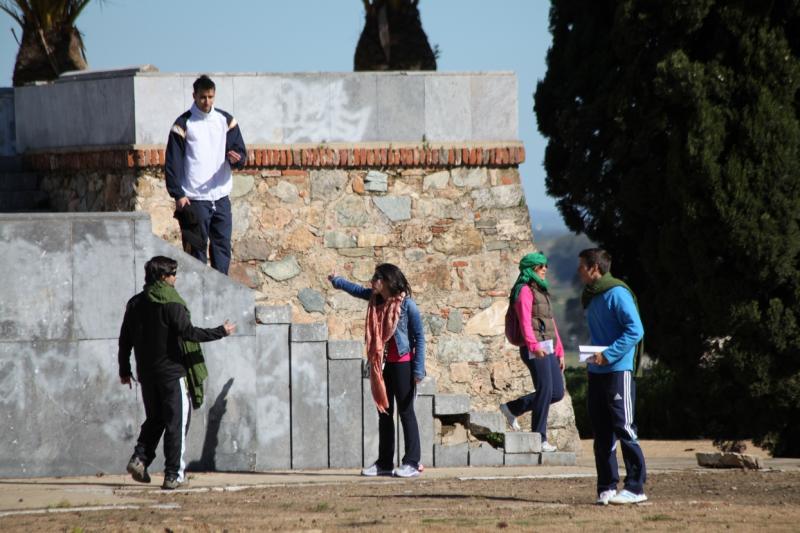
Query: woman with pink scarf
point(395, 345)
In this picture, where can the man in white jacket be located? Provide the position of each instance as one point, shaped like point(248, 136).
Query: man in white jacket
point(204, 144)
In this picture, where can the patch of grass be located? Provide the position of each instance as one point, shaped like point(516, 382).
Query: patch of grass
point(434, 520)
point(497, 440)
point(658, 518)
point(321, 507)
point(76, 529)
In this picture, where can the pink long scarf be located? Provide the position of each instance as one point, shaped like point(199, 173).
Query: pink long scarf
point(381, 324)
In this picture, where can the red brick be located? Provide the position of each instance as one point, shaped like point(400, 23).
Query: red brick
point(131, 158)
point(384, 156)
point(496, 293)
point(370, 157)
point(141, 158)
point(437, 230)
point(295, 172)
point(258, 157)
point(521, 154)
point(363, 155)
point(465, 156)
point(295, 160)
point(460, 264)
point(344, 153)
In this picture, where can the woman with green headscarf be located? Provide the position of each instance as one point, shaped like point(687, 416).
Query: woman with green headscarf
point(542, 351)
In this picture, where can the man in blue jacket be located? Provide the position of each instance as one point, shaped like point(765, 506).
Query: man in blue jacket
point(204, 144)
point(613, 317)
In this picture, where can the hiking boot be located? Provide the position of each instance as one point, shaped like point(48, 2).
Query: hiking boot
point(605, 496)
point(375, 470)
point(548, 448)
point(406, 471)
point(626, 497)
point(138, 470)
point(510, 418)
point(172, 483)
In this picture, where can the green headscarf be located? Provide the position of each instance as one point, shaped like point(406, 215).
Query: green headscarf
point(527, 274)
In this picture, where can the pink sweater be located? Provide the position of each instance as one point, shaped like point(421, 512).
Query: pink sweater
point(523, 307)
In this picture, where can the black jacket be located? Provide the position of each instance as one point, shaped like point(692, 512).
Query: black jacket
point(154, 331)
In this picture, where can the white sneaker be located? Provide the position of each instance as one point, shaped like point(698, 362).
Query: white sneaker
point(625, 497)
point(510, 418)
point(606, 496)
point(405, 471)
point(548, 448)
point(375, 470)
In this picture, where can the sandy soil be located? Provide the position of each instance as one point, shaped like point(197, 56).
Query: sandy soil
point(684, 499)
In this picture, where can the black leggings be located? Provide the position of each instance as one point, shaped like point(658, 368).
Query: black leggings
point(400, 387)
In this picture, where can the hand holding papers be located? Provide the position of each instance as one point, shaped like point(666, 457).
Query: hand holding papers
point(545, 347)
point(587, 352)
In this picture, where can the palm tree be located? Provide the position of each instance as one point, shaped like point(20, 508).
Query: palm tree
point(393, 38)
point(51, 44)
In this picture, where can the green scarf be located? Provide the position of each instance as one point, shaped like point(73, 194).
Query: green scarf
point(527, 274)
point(601, 285)
point(162, 292)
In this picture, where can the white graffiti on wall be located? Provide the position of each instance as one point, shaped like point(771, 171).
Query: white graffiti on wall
point(322, 111)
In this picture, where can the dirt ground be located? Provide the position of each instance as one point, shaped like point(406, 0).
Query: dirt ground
point(684, 498)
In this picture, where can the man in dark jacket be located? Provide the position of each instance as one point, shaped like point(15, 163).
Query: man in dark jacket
point(158, 327)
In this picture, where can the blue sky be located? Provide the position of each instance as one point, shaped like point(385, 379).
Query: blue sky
point(316, 35)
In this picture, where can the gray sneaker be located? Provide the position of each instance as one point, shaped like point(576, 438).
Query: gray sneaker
point(510, 418)
point(406, 471)
point(138, 470)
point(172, 483)
point(375, 470)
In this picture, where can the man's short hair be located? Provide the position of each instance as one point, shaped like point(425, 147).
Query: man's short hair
point(596, 256)
point(203, 83)
point(158, 268)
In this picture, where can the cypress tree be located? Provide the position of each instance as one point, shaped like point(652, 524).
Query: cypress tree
point(674, 141)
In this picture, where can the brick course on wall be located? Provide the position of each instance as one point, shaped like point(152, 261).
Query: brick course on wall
point(452, 218)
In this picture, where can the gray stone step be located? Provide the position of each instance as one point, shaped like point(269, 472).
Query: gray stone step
point(483, 423)
point(558, 459)
point(454, 455)
point(450, 404)
point(523, 442)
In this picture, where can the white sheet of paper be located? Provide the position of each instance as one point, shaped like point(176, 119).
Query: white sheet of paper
point(547, 346)
point(587, 351)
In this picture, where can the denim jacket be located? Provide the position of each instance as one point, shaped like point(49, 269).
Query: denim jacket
point(409, 326)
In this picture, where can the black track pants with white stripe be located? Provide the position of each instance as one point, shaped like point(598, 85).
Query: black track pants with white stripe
point(611, 400)
point(167, 411)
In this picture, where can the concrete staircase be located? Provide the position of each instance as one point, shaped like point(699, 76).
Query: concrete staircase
point(279, 396)
point(325, 417)
point(19, 189)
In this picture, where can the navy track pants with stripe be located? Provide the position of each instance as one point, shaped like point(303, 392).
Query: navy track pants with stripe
point(611, 405)
point(167, 412)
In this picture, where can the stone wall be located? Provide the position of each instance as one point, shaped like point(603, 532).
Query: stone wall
point(457, 231)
